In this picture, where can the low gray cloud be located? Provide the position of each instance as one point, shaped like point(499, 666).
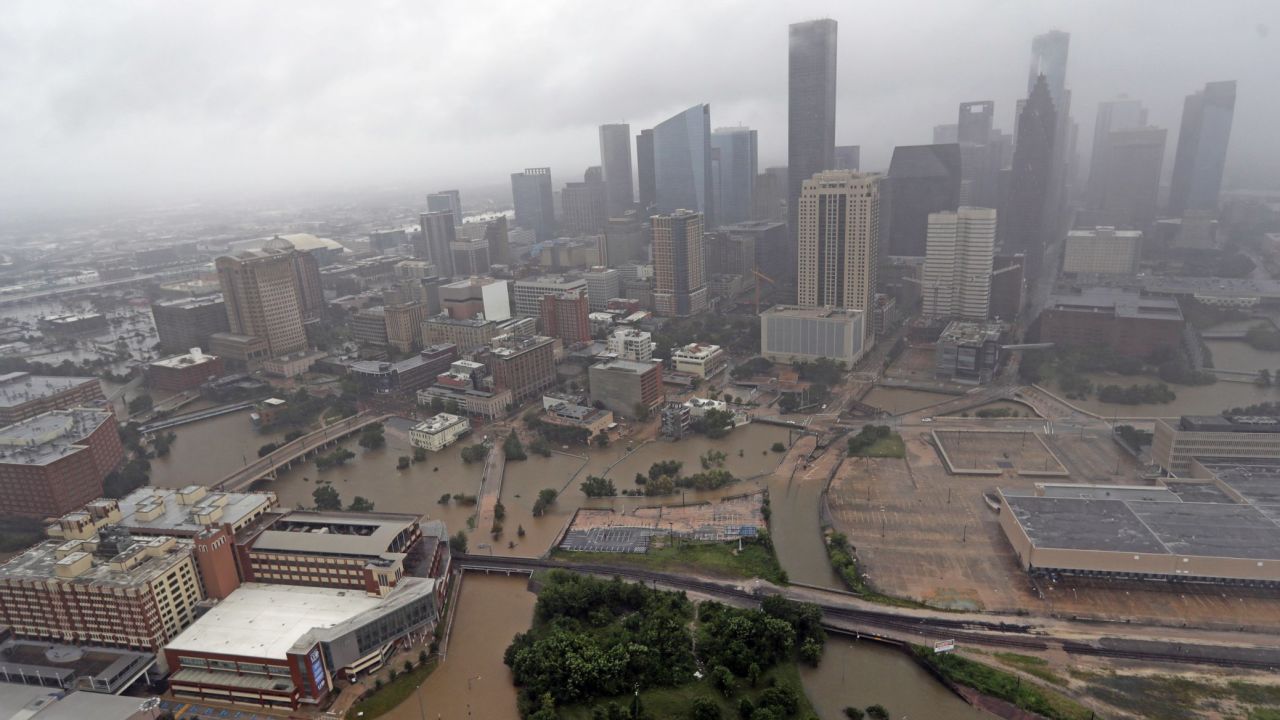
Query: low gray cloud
point(116, 101)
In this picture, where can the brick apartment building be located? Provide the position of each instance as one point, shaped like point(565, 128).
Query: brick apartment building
point(55, 462)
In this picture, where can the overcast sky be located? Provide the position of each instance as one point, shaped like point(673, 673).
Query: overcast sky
point(122, 102)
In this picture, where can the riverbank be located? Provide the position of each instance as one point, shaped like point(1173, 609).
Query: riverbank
point(716, 559)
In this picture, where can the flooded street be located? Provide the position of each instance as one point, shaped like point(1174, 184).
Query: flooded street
point(859, 674)
point(473, 682)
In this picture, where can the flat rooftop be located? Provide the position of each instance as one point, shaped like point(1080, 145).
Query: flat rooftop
point(264, 621)
point(970, 333)
point(178, 518)
point(52, 436)
point(40, 562)
point(1229, 423)
point(346, 534)
point(1124, 303)
point(629, 366)
point(192, 303)
point(438, 423)
point(18, 388)
point(818, 313)
point(185, 360)
point(1169, 527)
point(31, 702)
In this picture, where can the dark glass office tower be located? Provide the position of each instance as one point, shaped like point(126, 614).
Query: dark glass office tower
point(1113, 116)
point(1202, 148)
point(922, 179)
point(811, 108)
point(615, 159)
point(682, 163)
point(535, 206)
point(1024, 221)
point(644, 170)
point(736, 173)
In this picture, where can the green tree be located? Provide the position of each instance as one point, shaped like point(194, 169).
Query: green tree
point(595, 486)
point(499, 511)
point(723, 680)
point(546, 497)
point(360, 504)
point(451, 407)
point(444, 499)
point(141, 404)
point(326, 497)
point(512, 448)
point(877, 712)
point(419, 454)
point(267, 449)
point(372, 437)
point(458, 543)
point(704, 709)
point(778, 447)
point(602, 438)
point(854, 713)
point(474, 453)
point(402, 462)
point(437, 405)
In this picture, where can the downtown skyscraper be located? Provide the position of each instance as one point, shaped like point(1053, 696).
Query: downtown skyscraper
point(811, 108)
point(838, 251)
point(1113, 116)
point(682, 163)
point(1027, 223)
point(615, 159)
point(734, 165)
point(535, 206)
point(957, 266)
point(435, 242)
point(1202, 148)
point(679, 270)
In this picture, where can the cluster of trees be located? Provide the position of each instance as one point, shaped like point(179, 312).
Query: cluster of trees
point(460, 498)
point(161, 442)
point(141, 404)
point(458, 542)
point(513, 449)
point(1268, 409)
point(664, 477)
point(91, 366)
point(326, 497)
point(1133, 437)
point(339, 456)
point(1149, 393)
point(738, 335)
point(373, 436)
point(555, 434)
point(750, 368)
point(546, 498)
point(1069, 366)
point(875, 712)
point(474, 453)
point(137, 467)
point(594, 638)
point(713, 423)
point(303, 407)
point(1263, 336)
point(868, 436)
point(595, 486)
point(438, 406)
point(823, 370)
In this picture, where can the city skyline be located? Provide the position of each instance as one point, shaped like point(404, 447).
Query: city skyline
point(222, 130)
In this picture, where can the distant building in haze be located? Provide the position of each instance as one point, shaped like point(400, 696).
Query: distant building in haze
point(922, 179)
point(585, 204)
point(535, 207)
point(811, 108)
point(945, 134)
point(645, 171)
point(1113, 115)
point(187, 323)
point(735, 179)
point(839, 224)
point(678, 264)
point(1202, 148)
point(1025, 225)
point(615, 158)
point(682, 163)
point(768, 202)
point(847, 157)
point(957, 268)
point(1126, 181)
point(435, 243)
point(446, 201)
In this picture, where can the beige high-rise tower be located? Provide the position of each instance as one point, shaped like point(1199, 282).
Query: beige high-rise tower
point(678, 264)
point(957, 267)
point(263, 298)
point(838, 232)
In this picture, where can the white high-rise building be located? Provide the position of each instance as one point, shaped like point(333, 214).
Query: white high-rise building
point(631, 344)
point(1101, 250)
point(957, 267)
point(838, 247)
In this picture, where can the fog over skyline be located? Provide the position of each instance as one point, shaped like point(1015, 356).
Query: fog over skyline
point(143, 103)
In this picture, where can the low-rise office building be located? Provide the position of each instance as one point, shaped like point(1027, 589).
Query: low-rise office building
point(23, 395)
point(54, 463)
point(631, 344)
point(625, 386)
point(968, 352)
point(240, 352)
point(525, 365)
point(292, 364)
point(1130, 323)
point(185, 372)
point(438, 432)
point(1177, 444)
point(699, 359)
point(585, 417)
point(789, 333)
point(188, 323)
point(406, 377)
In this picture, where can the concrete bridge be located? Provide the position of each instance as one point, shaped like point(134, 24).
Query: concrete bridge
point(297, 451)
point(176, 420)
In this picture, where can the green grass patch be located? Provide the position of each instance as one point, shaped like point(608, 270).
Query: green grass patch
point(1264, 714)
point(890, 447)
point(722, 559)
point(1003, 685)
point(392, 694)
point(675, 702)
point(1167, 697)
point(1039, 667)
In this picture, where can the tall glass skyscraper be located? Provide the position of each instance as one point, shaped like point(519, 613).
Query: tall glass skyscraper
point(535, 207)
point(735, 165)
point(811, 108)
point(682, 163)
point(615, 158)
point(1202, 148)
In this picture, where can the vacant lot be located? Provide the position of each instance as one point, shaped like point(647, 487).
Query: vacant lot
point(999, 452)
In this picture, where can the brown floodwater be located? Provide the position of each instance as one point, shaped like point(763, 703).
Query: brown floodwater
point(209, 450)
point(1191, 400)
point(901, 400)
point(863, 673)
point(473, 682)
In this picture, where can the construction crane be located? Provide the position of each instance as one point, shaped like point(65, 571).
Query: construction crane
point(761, 276)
